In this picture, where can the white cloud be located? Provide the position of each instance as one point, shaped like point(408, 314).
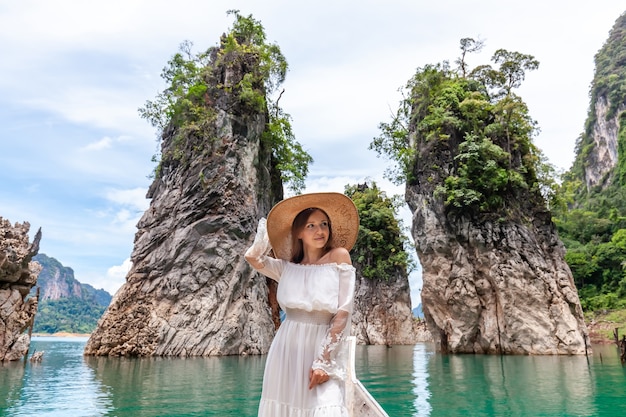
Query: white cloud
point(110, 281)
point(116, 276)
point(103, 143)
point(122, 216)
point(135, 198)
point(107, 107)
point(129, 207)
point(415, 282)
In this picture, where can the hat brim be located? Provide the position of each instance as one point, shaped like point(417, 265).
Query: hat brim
point(343, 215)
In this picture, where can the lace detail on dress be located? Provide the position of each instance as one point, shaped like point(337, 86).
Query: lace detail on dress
point(332, 357)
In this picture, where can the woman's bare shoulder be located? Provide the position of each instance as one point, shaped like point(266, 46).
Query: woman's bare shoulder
point(340, 256)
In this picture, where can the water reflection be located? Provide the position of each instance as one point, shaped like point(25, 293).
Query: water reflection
point(406, 380)
point(58, 386)
point(514, 386)
point(416, 381)
point(396, 377)
point(609, 381)
point(11, 383)
point(192, 386)
point(422, 353)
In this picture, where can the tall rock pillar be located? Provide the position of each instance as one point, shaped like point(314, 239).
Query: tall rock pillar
point(495, 285)
point(190, 292)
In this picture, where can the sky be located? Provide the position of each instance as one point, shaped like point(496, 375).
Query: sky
point(76, 158)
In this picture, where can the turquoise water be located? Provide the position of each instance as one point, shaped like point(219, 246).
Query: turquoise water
point(406, 380)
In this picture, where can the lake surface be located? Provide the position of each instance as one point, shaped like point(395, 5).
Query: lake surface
point(406, 380)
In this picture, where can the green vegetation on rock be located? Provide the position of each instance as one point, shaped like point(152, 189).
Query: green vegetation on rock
point(592, 220)
point(186, 107)
point(67, 315)
point(381, 246)
point(475, 114)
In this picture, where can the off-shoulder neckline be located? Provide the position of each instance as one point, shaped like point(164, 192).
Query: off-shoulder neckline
point(331, 264)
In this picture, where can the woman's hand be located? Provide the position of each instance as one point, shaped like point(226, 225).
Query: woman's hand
point(260, 246)
point(317, 377)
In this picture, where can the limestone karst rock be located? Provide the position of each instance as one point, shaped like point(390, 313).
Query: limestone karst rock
point(602, 156)
point(382, 312)
point(382, 301)
point(598, 148)
point(494, 274)
point(493, 287)
point(492, 283)
point(190, 292)
point(18, 274)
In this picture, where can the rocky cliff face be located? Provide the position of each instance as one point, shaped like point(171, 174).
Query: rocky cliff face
point(598, 151)
point(602, 158)
point(18, 274)
point(493, 286)
point(382, 301)
point(382, 312)
point(56, 281)
point(190, 291)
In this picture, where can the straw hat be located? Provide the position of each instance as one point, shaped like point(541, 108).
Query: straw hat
point(343, 215)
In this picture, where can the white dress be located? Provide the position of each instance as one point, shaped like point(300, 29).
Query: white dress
point(317, 300)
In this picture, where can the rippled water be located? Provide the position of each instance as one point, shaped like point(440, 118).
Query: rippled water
point(406, 380)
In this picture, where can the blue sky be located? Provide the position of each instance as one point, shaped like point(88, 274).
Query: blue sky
point(75, 157)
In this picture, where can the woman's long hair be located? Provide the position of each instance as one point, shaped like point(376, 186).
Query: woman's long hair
point(297, 248)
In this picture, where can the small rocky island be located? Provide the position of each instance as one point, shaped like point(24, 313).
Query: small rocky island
point(18, 274)
point(495, 280)
point(495, 276)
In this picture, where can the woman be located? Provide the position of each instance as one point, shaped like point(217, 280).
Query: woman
point(310, 236)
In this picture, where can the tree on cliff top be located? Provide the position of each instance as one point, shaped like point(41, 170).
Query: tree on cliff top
point(475, 116)
point(380, 248)
point(185, 106)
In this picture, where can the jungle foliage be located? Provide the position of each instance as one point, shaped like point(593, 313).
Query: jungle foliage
point(185, 106)
point(477, 115)
point(71, 315)
point(381, 246)
point(592, 220)
point(79, 306)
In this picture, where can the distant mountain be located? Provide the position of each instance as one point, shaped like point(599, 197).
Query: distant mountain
point(65, 304)
point(417, 311)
